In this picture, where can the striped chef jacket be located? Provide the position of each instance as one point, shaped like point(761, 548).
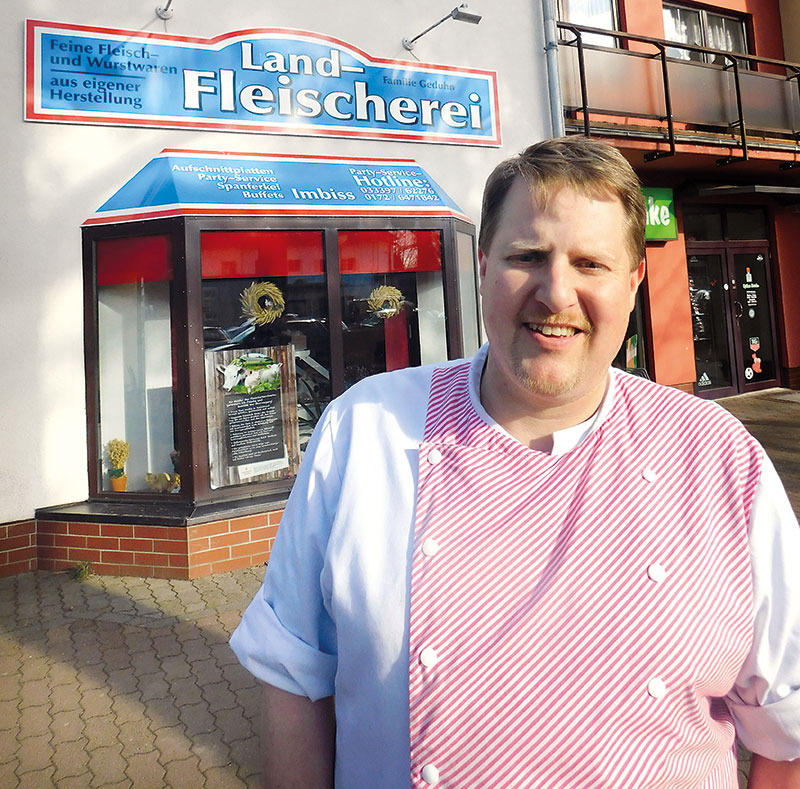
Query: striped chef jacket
point(577, 619)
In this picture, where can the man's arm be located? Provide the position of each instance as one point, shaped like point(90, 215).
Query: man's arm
point(766, 774)
point(298, 740)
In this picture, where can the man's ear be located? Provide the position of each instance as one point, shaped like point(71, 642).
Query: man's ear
point(481, 264)
point(637, 275)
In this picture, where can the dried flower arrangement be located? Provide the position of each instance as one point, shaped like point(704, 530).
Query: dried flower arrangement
point(118, 451)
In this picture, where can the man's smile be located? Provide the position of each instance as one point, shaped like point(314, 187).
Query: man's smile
point(551, 330)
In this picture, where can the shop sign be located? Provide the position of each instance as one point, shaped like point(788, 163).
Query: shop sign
point(660, 211)
point(269, 80)
point(178, 183)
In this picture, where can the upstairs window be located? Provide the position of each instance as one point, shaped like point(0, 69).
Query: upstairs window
point(591, 13)
point(703, 28)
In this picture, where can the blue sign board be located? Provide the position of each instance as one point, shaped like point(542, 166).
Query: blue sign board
point(178, 182)
point(266, 81)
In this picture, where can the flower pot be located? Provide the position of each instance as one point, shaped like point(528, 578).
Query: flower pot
point(119, 484)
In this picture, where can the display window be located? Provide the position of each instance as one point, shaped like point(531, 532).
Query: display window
point(135, 365)
point(214, 344)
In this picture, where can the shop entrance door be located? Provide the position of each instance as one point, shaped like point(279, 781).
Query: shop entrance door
point(732, 320)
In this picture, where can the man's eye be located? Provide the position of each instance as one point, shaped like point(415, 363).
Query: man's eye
point(526, 258)
point(589, 264)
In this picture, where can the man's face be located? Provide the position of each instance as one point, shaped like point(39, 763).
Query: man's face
point(557, 289)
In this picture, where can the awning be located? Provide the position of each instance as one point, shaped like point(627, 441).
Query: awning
point(790, 193)
point(191, 183)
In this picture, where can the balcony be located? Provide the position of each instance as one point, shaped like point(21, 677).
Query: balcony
point(740, 100)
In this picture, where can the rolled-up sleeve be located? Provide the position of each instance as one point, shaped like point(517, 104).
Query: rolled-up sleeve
point(286, 636)
point(765, 701)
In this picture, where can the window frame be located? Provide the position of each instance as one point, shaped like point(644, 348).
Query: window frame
point(740, 19)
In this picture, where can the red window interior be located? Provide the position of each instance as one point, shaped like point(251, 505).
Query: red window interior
point(261, 253)
point(135, 259)
point(389, 251)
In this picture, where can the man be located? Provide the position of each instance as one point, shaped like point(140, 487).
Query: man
point(529, 569)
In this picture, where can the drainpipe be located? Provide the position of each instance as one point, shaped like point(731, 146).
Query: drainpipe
point(551, 55)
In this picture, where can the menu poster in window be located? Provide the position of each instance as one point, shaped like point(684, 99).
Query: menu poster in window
point(251, 404)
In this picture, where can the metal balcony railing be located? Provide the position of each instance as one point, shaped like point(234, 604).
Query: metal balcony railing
point(607, 80)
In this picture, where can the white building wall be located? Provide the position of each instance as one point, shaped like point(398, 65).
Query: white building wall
point(54, 176)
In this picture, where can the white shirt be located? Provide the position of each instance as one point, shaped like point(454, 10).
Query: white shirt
point(332, 616)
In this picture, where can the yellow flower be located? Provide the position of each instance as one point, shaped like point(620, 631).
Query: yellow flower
point(118, 452)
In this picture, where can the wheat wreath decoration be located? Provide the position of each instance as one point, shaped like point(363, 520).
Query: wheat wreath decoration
point(385, 301)
point(262, 302)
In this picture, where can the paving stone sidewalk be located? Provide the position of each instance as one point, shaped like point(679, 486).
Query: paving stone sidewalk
point(773, 417)
point(119, 682)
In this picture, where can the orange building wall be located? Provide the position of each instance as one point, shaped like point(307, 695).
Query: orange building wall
point(667, 291)
point(642, 17)
point(787, 232)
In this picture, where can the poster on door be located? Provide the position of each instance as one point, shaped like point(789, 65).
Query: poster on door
point(754, 368)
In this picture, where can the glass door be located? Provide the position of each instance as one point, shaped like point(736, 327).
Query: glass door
point(753, 318)
point(711, 325)
point(732, 322)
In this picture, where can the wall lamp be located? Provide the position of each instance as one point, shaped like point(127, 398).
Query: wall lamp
point(165, 12)
point(459, 14)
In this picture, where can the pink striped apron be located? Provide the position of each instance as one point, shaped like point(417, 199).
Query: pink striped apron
point(575, 619)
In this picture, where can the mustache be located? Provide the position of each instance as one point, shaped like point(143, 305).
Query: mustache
point(580, 322)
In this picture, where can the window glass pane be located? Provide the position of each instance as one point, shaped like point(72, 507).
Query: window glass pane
point(683, 24)
point(592, 13)
point(246, 276)
point(702, 223)
point(134, 285)
point(746, 223)
point(727, 34)
point(631, 355)
point(467, 292)
point(392, 300)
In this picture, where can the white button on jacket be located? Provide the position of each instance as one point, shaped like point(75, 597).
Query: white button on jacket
point(434, 457)
point(430, 547)
point(656, 687)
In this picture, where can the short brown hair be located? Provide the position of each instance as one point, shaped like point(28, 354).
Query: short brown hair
point(588, 166)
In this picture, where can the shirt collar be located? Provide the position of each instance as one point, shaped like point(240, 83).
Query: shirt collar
point(564, 440)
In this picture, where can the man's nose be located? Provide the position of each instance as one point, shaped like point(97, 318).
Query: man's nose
point(556, 288)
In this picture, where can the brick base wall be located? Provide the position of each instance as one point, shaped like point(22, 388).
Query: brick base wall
point(17, 547)
point(151, 551)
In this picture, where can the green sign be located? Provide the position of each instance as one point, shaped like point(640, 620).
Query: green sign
point(660, 210)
